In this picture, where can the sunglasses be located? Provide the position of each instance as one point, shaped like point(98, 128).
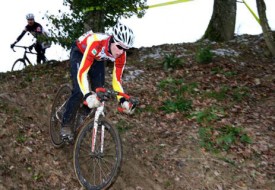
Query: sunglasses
point(120, 47)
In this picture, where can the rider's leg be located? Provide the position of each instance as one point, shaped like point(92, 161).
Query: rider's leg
point(38, 49)
point(43, 57)
point(76, 97)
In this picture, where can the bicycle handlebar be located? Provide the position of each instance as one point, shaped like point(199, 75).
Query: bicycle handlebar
point(105, 94)
point(26, 48)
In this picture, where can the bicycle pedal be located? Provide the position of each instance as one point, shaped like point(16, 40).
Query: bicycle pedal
point(67, 138)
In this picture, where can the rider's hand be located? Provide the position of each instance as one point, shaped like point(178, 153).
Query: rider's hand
point(126, 106)
point(92, 101)
point(12, 45)
point(30, 47)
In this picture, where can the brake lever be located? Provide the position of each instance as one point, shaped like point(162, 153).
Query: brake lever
point(104, 96)
point(134, 101)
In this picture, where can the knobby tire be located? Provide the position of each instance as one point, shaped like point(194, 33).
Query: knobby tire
point(96, 170)
point(60, 99)
point(51, 61)
point(19, 64)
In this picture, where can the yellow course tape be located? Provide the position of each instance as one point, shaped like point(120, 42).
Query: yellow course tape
point(167, 3)
point(151, 6)
point(251, 11)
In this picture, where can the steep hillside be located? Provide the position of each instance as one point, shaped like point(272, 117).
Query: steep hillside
point(183, 134)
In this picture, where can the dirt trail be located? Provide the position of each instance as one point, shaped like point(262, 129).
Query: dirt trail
point(161, 150)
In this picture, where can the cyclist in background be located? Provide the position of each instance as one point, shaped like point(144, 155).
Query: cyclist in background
point(37, 31)
point(87, 68)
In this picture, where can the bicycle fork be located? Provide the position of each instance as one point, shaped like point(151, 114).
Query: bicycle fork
point(99, 111)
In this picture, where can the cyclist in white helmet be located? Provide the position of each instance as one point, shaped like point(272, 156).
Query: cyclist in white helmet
point(87, 57)
point(37, 31)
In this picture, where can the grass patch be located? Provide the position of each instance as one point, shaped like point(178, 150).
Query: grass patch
point(207, 115)
point(21, 138)
point(177, 86)
point(218, 95)
point(236, 94)
point(167, 184)
point(222, 138)
point(230, 73)
point(219, 70)
point(169, 83)
point(122, 126)
point(177, 91)
point(189, 88)
point(181, 105)
point(148, 108)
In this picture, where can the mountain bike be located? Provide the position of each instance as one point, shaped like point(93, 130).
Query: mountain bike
point(97, 153)
point(21, 63)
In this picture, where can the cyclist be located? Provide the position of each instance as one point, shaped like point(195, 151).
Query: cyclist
point(87, 57)
point(37, 31)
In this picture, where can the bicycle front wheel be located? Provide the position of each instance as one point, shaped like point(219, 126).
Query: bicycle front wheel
point(58, 108)
point(18, 65)
point(98, 169)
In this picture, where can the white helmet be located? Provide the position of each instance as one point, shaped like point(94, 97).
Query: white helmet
point(123, 35)
point(30, 16)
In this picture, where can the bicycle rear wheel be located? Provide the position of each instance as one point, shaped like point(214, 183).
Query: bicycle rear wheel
point(18, 65)
point(97, 170)
point(58, 108)
point(51, 61)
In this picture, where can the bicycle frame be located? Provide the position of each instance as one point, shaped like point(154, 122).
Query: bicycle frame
point(102, 93)
point(99, 111)
point(25, 57)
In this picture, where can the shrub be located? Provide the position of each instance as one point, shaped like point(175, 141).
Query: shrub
point(171, 62)
point(204, 55)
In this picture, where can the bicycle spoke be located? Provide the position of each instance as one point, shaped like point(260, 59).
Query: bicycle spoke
point(85, 158)
point(102, 175)
point(109, 148)
point(97, 170)
point(107, 165)
point(85, 150)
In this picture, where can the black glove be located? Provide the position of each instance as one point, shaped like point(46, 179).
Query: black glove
point(12, 45)
point(30, 47)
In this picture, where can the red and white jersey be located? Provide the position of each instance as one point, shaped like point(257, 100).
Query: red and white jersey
point(94, 46)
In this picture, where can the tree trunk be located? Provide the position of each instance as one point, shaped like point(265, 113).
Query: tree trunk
point(268, 37)
point(222, 24)
point(94, 20)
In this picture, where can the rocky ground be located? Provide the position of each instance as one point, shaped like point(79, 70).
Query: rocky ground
point(165, 144)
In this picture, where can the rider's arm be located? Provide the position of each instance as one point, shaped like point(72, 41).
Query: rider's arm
point(86, 63)
point(117, 73)
point(21, 35)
